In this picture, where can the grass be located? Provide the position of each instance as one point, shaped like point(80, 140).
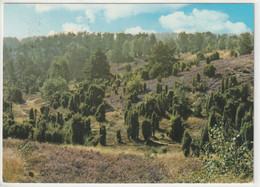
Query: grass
point(12, 166)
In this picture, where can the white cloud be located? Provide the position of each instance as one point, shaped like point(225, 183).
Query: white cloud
point(136, 30)
point(111, 11)
point(72, 27)
point(45, 7)
point(90, 16)
point(201, 21)
point(52, 32)
point(80, 19)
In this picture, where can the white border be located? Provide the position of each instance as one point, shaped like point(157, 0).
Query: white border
point(256, 83)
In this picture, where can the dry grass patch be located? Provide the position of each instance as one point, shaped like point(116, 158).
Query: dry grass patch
point(13, 170)
point(178, 167)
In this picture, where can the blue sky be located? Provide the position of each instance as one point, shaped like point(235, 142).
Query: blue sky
point(22, 20)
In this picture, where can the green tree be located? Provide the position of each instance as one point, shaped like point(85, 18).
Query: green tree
point(101, 113)
point(79, 128)
point(204, 138)
point(59, 68)
point(176, 128)
point(186, 142)
point(146, 130)
point(132, 125)
point(53, 85)
point(209, 70)
point(102, 135)
point(245, 43)
point(99, 65)
point(118, 136)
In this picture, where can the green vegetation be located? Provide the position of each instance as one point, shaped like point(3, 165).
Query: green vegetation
point(136, 94)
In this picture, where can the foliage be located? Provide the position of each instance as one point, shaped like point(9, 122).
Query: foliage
point(53, 85)
point(99, 67)
point(101, 113)
point(79, 128)
point(102, 135)
point(132, 125)
point(15, 95)
point(118, 136)
point(209, 70)
point(146, 129)
point(186, 142)
point(245, 43)
point(176, 129)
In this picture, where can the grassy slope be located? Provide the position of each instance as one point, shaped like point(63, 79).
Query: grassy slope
point(175, 166)
point(61, 163)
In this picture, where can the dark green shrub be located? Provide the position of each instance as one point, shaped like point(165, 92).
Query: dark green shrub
point(186, 142)
point(176, 129)
point(154, 122)
point(128, 68)
point(132, 125)
point(40, 129)
point(102, 135)
point(101, 113)
point(209, 70)
point(198, 110)
point(174, 70)
point(198, 77)
point(118, 136)
point(146, 129)
point(79, 128)
point(212, 120)
point(204, 138)
point(240, 114)
point(15, 95)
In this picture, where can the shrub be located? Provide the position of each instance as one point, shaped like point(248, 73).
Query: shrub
point(176, 128)
point(204, 138)
point(15, 95)
point(102, 135)
point(186, 142)
point(40, 129)
point(158, 87)
point(174, 70)
point(209, 70)
point(118, 136)
point(79, 128)
point(154, 122)
point(101, 113)
point(146, 130)
point(132, 125)
point(128, 68)
point(198, 77)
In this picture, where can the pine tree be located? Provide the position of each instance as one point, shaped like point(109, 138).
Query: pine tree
point(146, 130)
point(186, 142)
point(102, 135)
point(101, 113)
point(204, 138)
point(176, 128)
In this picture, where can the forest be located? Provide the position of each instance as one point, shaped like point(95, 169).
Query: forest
point(129, 108)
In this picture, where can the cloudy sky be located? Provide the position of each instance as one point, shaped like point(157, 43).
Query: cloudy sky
point(22, 20)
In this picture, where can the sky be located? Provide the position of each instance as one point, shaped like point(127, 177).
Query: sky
point(23, 20)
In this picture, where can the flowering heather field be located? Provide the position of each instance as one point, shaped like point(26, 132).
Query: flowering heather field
point(60, 164)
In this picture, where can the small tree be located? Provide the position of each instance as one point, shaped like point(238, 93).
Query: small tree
point(118, 136)
point(209, 70)
point(204, 138)
point(198, 77)
point(102, 135)
point(146, 130)
point(101, 113)
point(186, 142)
point(176, 128)
point(158, 87)
point(133, 125)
